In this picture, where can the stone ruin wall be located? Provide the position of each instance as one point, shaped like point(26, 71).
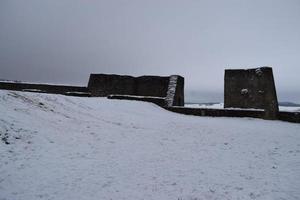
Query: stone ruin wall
point(164, 91)
point(251, 88)
point(169, 88)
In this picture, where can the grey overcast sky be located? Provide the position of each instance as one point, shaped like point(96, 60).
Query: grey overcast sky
point(63, 41)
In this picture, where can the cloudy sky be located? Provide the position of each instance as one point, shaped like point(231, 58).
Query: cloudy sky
point(63, 41)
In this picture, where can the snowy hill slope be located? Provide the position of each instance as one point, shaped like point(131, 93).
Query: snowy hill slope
point(60, 147)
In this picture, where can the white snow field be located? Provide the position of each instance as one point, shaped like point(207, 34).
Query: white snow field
point(61, 147)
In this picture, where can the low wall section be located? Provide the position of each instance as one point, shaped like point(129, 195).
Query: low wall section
point(289, 116)
point(45, 88)
point(217, 112)
point(283, 116)
point(160, 101)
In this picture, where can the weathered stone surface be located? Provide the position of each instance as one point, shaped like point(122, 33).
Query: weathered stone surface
point(102, 85)
point(251, 88)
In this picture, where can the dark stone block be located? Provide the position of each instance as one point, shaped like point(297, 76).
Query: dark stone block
point(251, 88)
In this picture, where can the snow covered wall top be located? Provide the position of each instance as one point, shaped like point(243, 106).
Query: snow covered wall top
point(251, 88)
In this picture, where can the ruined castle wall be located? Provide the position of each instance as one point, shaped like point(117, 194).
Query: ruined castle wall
point(150, 86)
point(251, 88)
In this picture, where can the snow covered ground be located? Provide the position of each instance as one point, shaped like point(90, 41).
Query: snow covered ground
point(221, 106)
point(61, 147)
